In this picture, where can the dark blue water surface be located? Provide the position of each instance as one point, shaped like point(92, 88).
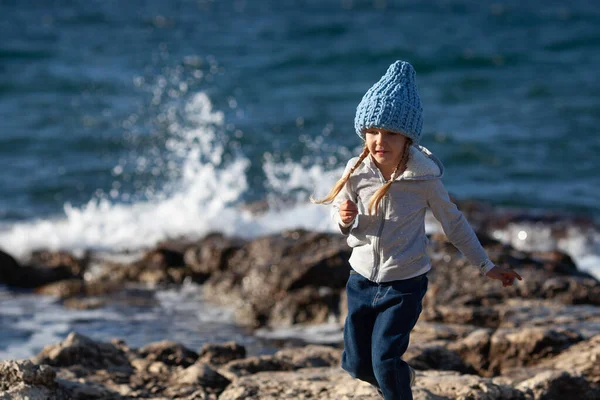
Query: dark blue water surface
point(91, 91)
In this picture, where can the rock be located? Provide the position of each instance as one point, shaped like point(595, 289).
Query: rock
point(478, 316)
point(72, 288)
point(87, 390)
point(13, 274)
point(454, 386)
point(252, 365)
point(84, 304)
point(584, 319)
point(283, 360)
point(220, 354)
point(310, 356)
point(572, 290)
point(428, 356)
point(63, 289)
point(210, 255)
point(162, 258)
point(14, 372)
point(552, 275)
point(201, 374)
point(301, 306)
point(527, 346)
point(334, 383)
point(23, 380)
point(268, 279)
point(582, 358)
point(311, 383)
point(475, 350)
point(79, 350)
point(54, 259)
point(158, 266)
point(426, 332)
point(169, 353)
point(550, 385)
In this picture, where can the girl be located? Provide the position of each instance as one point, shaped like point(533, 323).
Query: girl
point(380, 205)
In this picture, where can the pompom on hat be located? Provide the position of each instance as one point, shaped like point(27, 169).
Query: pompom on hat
point(392, 104)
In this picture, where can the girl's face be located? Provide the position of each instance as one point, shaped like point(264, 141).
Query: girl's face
point(385, 147)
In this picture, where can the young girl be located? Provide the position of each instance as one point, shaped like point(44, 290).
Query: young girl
point(380, 205)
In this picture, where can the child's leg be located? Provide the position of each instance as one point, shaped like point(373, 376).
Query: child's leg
point(356, 358)
point(399, 305)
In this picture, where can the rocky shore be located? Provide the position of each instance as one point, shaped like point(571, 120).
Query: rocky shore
point(539, 339)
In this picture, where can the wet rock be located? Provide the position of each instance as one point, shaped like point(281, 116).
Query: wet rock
point(211, 254)
point(550, 275)
point(301, 306)
point(163, 258)
point(283, 268)
point(72, 288)
point(220, 354)
point(161, 265)
point(15, 275)
point(54, 259)
point(80, 350)
point(63, 289)
point(84, 304)
point(169, 353)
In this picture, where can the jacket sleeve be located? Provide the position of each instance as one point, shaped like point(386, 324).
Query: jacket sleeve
point(347, 193)
point(456, 227)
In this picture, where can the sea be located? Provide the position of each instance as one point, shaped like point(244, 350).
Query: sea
point(126, 123)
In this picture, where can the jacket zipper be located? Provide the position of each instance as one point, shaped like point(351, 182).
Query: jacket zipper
point(377, 258)
point(376, 244)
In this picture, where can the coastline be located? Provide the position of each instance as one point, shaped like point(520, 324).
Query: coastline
point(536, 339)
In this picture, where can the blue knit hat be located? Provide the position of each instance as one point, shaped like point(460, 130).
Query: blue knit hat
point(392, 104)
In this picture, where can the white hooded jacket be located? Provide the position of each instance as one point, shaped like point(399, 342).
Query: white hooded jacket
point(392, 244)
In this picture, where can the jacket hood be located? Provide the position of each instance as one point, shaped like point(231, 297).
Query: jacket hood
point(422, 165)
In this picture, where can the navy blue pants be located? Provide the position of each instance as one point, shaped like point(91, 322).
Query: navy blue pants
point(376, 333)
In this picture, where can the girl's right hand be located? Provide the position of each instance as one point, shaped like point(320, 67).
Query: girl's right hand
point(348, 211)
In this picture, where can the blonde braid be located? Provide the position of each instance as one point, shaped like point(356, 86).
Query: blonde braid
point(399, 170)
point(337, 188)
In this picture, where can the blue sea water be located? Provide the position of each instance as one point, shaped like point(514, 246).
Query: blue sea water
point(97, 97)
point(123, 123)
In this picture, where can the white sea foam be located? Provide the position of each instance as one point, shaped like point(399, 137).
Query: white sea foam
point(208, 197)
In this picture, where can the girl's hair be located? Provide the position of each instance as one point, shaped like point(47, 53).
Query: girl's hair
point(381, 192)
point(337, 188)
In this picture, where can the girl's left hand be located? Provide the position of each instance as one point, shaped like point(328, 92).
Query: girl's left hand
point(507, 276)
